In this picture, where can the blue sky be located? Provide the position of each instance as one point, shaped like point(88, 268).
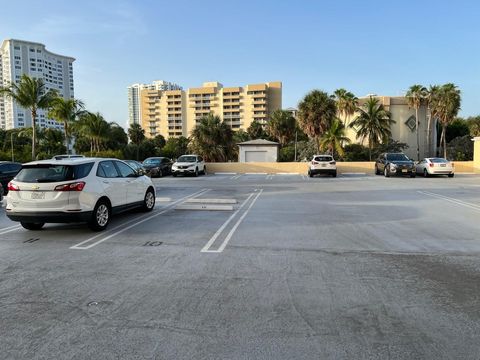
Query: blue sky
point(364, 46)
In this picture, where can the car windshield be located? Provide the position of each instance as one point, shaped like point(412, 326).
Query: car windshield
point(438, 160)
point(323, 158)
point(151, 162)
point(43, 173)
point(397, 157)
point(185, 158)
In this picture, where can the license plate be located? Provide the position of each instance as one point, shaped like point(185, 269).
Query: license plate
point(324, 165)
point(38, 195)
point(404, 170)
point(443, 165)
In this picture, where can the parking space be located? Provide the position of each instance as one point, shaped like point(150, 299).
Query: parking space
point(254, 266)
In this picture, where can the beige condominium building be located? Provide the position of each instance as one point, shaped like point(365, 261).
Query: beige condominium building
point(176, 112)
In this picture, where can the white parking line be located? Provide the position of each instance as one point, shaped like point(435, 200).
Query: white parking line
point(235, 177)
point(212, 201)
point(256, 173)
point(80, 246)
point(9, 229)
point(269, 177)
point(285, 173)
point(206, 248)
point(452, 200)
point(225, 173)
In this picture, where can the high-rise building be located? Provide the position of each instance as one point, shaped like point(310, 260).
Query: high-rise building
point(134, 114)
point(175, 113)
point(18, 57)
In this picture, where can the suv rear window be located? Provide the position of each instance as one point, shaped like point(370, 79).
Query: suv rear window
point(45, 173)
point(323, 158)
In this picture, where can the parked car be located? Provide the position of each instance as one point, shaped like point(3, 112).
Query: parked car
point(87, 190)
point(189, 165)
point(8, 170)
point(435, 166)
point(61, 157)
point(157, 166)
point(322, 164)
point(137, 166)
point(394, 164)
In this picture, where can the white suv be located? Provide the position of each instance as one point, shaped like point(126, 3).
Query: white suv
point(76, 190)
point(189, 164)
point(322, 164)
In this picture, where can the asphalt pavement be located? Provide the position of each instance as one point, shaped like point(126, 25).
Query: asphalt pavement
point(254, 267)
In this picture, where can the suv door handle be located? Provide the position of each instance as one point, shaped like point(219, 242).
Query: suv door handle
point(106, 182)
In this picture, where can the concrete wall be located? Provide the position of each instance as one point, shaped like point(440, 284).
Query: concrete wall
point(476, 152)
point(302, 167)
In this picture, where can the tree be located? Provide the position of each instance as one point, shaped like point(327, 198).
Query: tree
point(175, 147)
point(136, 135)
point(30, 93)
point(457, 128)
point(347, 103)
point(448, 106)
point(51, 142)
point(117, 137)
point(95, 128)
point(316, 112)
point(474, 125)
point(213, 139)
point(256, 131)
point(432, 106)
point(66, 111)
point(416, 95)
point(282, 126)
point(372, 123)
point(240, 136)
point(334, 138)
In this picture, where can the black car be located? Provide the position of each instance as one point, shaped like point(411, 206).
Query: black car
point(8, 170)
point(390, 164)
point(157, 166)
point(137, 166)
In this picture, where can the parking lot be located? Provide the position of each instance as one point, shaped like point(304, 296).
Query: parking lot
point(254, 266)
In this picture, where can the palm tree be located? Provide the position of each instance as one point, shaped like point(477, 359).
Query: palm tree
point(334, 138)
point(347, 103)
point(136, 135)
point(448, 106)
point(316, 112)
point(282, 126)
point(213, 139)
point(30, 94)
point(66, 111)
point(256, 131)
point(373, 123)
point(94, 127)
point(416, 95)
point(432, 106)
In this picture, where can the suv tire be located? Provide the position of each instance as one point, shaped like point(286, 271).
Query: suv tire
point(32, 226)
point(425, 173)
point(100, 216)
point(148, 201)
point(196, 172)
point(385, 172)
point(377, 172)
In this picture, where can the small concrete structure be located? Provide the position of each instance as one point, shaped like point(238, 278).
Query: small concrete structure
point(476, 152)
point(259, 150)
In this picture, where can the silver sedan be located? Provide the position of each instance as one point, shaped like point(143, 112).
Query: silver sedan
point(435, 166)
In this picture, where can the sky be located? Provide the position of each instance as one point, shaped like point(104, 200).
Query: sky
point(367, 47)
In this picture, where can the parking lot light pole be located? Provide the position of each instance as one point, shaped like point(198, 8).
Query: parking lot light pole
point(11, 145)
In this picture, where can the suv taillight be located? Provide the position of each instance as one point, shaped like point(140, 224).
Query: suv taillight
point(12, 187)
point(314, 162)
point(333, 162)
point(76, 186)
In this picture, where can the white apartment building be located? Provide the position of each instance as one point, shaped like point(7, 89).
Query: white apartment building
point(134, 102)
point(18, 57)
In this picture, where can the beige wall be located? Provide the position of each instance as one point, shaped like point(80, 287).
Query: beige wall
point(237, 106)
point(302, 167)
point(476, 153)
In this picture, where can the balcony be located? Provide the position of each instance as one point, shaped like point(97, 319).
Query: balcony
point(259, 101)
point(174, 118)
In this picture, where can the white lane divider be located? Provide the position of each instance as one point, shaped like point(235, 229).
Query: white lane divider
point(85, 246)
point(208, 245)
point(452, 200)
point(212, 201)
